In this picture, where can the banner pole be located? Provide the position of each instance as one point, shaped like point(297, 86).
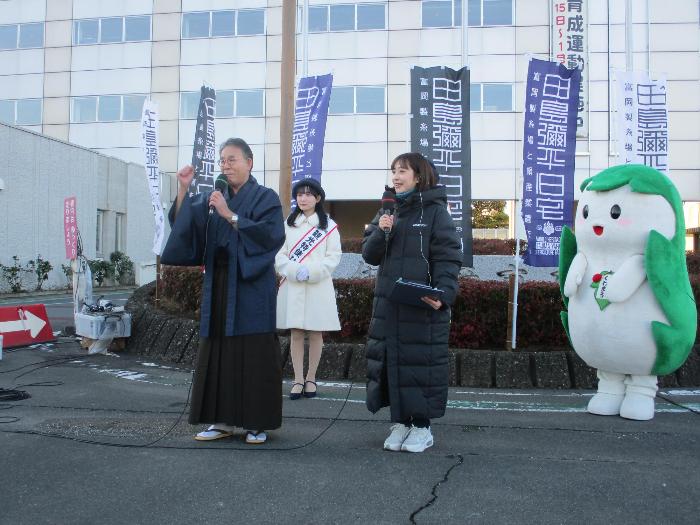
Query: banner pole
point(157, 298)
point(287, 66)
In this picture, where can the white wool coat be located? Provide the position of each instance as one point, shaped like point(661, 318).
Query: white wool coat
point(308, 305)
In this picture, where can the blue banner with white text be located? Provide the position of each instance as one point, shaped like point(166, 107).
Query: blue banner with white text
point(549, 157)
point(308, 134)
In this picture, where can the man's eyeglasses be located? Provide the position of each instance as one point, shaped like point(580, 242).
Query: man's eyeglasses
point(230, 160)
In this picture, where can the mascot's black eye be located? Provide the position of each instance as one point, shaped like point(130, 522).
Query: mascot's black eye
point(615, 211)
point(585, 211)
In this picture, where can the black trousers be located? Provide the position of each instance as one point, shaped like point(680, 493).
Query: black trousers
point(418, 422)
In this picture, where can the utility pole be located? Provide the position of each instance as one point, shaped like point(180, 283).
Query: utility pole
point(287, 101)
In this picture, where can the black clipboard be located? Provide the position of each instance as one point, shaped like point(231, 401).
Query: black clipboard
point(409, 292)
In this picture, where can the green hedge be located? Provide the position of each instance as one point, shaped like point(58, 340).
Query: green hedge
point(479, 315)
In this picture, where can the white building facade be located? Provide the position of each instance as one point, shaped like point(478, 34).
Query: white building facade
point(78, 70)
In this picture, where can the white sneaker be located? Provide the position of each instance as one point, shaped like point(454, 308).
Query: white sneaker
point(417, 440)
point(399, 432)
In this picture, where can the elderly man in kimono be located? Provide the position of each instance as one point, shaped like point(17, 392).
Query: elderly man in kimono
point(238, 377)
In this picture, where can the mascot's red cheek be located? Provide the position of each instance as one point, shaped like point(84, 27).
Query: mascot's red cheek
point(598, 230)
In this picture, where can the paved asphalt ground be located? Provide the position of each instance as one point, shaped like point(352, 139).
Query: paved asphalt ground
point(103, 439)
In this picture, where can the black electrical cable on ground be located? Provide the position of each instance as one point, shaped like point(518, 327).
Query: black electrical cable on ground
point(59, 361)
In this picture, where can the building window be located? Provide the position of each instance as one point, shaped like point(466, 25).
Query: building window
point(347, 17)
point(229, 103)
point(21, 36)
point(22, 112)
point(223, 23)
point(250, 22)
point(249, 103)
point(357, 99)
point(119, 232)
point(205, 24)
point(371, 16)
point(491, 97)
point(448, 13)
point(111, 30)
point(137, 28)
point(99, 238)
point(107, 108)
point(342, 17)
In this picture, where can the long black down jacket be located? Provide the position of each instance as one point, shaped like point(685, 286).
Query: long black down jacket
point(407, 363)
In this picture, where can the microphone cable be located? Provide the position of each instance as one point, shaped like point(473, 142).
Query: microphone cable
point(150, 444)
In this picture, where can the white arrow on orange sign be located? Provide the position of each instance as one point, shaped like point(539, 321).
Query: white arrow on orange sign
point(29, 322)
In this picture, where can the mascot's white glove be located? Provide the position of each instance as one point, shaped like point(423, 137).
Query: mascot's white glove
point(302, 274)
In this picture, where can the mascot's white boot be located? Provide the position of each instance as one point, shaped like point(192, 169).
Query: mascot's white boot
point(639, 397)
point(611, 393)
point(623, 277)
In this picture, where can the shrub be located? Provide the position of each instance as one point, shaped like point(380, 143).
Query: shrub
point(123, 267)
point(41, 268)
point(101, 270)
point(351, 244)
point(479, 315)
point(67, 270)
point(13, 274)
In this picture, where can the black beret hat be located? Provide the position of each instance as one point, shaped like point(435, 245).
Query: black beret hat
point(311, 183)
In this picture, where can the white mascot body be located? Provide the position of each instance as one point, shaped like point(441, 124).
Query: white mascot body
point(615, 315)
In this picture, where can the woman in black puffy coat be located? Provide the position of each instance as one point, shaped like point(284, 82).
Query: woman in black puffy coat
point(407, 363)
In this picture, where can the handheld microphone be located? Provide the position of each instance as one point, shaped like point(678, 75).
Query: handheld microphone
point(220, 186)
point(388, 207)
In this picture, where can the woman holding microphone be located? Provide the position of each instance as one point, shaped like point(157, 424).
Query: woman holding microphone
point(407, 362)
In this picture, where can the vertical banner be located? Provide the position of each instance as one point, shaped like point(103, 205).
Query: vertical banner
point(549, 149)
point(70, 228)
point(440, 131)
point(308, 134)
point(570, 47)
point(204, 151)
point(149, 142)
point(642, 120)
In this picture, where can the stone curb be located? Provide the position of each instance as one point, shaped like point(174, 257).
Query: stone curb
point(176, 340)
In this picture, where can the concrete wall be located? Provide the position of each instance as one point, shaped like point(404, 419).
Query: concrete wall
point(39, 172)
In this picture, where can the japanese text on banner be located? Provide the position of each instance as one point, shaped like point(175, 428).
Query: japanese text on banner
point(642, 120)
point(70, 228)
point(149, 137)
point(204, 150)
point(549, 148)
point(570, 47)
point(440, 131)
point(308, 133)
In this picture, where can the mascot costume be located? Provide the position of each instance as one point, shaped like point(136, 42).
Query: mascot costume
point(623, 277)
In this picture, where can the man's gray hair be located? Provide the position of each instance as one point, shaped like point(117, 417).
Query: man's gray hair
point(240, 144)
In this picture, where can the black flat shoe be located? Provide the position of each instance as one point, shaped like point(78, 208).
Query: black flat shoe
point(307, 393)
point(296, 395)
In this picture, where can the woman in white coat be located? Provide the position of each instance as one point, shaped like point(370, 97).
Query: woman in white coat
point(306, 297)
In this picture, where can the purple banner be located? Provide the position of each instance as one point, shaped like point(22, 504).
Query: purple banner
point(549, 149)
point(308, 135)
point(204, 151)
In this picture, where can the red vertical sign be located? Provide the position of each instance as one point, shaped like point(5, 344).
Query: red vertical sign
point(70, 228)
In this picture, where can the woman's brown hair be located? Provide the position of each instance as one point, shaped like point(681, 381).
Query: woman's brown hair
point(427, 177)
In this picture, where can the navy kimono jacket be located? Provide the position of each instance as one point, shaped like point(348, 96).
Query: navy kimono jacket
point(252, 287)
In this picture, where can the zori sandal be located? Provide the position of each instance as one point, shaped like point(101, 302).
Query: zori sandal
point(255, 438)
point(213, 433)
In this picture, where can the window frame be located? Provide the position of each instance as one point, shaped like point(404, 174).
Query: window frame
point(123, 39)
point(481, 97)
point(354, 101)
point(355, 6)
point(453, 16)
